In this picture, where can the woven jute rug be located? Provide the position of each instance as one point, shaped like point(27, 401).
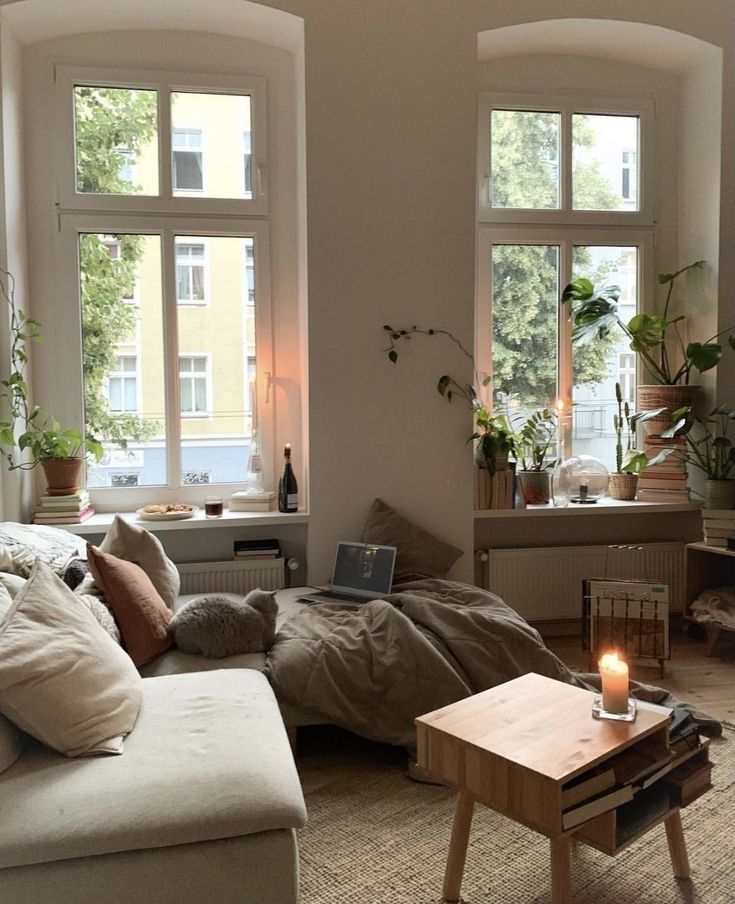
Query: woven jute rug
point(376, 837)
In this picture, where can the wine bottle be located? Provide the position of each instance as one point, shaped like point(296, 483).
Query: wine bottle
point(288, 490)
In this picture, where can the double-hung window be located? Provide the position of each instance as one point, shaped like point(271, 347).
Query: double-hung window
point(148, 213)
point(562, 193)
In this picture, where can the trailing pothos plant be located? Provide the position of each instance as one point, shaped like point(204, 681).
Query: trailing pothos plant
point(494, 434)
point(31, 427)
point(656, 338)
point(630, 460)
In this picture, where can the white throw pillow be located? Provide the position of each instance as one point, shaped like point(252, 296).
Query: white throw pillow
point(62, 678)
point(13, 583)
point(136, 544)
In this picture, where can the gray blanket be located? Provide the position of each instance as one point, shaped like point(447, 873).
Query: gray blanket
point(374, 668)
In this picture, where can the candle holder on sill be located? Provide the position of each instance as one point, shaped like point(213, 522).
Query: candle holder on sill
point(599, 711)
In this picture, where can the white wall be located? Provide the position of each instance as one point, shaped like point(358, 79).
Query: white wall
point(391, 89)
point(15, 487)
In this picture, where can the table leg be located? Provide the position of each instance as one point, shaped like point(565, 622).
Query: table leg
point(561, 870)
point(458, 846)
point(677, 846)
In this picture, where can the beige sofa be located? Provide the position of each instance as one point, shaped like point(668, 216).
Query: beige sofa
point(202, 806)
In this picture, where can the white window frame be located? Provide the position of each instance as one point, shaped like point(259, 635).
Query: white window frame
point(206, 374)
point(566, 106)
point(565, 238)
point(190, 192)
point(165, 83)
point(71, 225)
point(193, 302)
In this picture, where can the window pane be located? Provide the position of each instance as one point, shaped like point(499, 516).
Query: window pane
point(603, 362)
point(605, 162)
point(525, 292)
point(216, 342)
point(524, 149)
point(127, 416)
point(210, 153)
point(116, 140)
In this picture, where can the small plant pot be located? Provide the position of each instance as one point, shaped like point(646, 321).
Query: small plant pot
point(498, 460)
point(660, 396)
point(622, 486)
point(719, 494)
point(535, 486)
point(62, 475)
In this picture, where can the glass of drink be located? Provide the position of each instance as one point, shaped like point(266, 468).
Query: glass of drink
point(213, 507)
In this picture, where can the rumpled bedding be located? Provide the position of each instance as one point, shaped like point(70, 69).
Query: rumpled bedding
point(374, 668)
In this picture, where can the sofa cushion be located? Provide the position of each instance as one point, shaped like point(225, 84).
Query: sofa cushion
point(208, 759)
point(62, 679)
point(140, 613)
point(136, 544)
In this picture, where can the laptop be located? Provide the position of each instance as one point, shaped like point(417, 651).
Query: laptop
point(362, 572)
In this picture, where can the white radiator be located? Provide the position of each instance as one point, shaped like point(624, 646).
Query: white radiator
point(545, 584)
point(231, 576)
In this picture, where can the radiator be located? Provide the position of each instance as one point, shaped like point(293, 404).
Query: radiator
point(231, 576)
point(545, 584)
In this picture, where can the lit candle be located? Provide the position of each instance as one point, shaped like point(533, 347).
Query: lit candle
point(614, 674)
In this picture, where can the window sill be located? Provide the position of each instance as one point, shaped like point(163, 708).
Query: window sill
point(605, 506)
point(100, 522)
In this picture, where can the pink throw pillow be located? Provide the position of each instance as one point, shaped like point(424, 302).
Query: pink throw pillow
point(141, 613)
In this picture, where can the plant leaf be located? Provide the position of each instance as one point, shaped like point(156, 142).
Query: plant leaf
point(704, 356)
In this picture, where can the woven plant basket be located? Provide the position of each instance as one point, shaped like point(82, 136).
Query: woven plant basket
point(669, 397)
point(622, 486)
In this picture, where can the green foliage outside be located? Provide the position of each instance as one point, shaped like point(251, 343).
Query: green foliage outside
point(525, 286)
point(113, 125)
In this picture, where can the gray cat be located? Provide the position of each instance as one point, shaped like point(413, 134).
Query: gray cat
point(217, 625)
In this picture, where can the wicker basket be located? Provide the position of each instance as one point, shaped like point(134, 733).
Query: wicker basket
point(622, 486)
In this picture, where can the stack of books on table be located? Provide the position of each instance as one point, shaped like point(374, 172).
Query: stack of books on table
point(719, 527)
point(72, 509)
point(666, 481)
point(252, 502)
point(253, 550)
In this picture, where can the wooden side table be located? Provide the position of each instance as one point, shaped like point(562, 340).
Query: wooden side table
point(520, 748)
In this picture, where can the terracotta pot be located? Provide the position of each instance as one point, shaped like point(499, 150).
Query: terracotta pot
point(62, 475)
point(535, 486)
point(655, 395)
point(719, 494)
point(622, 486)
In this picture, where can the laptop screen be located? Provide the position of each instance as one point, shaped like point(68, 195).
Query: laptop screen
point(363, 567)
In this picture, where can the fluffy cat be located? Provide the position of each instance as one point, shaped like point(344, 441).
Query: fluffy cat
point(219, 625)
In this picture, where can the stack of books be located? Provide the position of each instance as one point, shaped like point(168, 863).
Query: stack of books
point(72, 509)
point(252, 502)
point(719, 527)
point(666, 481)
point(253, 550)
point(494, 491)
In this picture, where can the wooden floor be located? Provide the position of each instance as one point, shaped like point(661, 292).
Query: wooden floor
point(691, 675)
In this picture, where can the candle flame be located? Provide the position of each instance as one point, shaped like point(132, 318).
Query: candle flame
point(610, 662)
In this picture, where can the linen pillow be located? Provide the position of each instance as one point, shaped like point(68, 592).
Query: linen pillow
point(133, 543)
point(141, 614)
point(13, 583)
point(62, 679)
point(418, 551)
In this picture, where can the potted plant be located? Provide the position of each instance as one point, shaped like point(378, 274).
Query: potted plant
point(531, 444)
point(31, 428)
point(629, 461)
point(712, 452)
point(657, 339)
